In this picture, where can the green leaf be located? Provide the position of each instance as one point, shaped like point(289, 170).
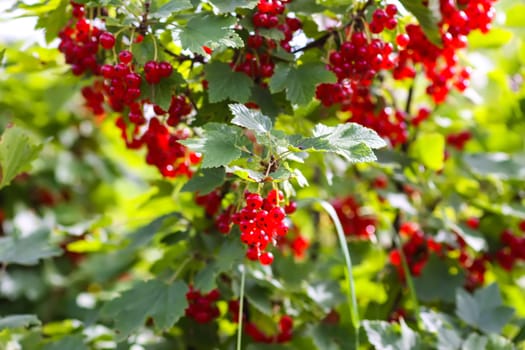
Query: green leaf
point(427, 19)
point(19, 321)
point(250, 119)
point(68, 342)
point(499, 165)
point(225, 6)
point(497, 37)
point(161, 93)
point(224, 83)
point(218, 145)
point(164, 303)
point(473, 309)
point(246, 174)
point(475, 342)
point(436, 282)
point(27, 250)
point(349, 140)
point(300, 82)
point(205, 180)
point(385, 335)
point(429, 148)
point(515, 16)
point(17, 150)
point(231, 251)
point(209, 30)
point(169, 8)
point(259, 297)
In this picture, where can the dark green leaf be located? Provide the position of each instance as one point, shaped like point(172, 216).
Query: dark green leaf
point(436, 282)
point(250, 119)
point(17, 150)
point(259, 297)
point(225, 6)
point(27, 250)
point(205, 180)
point(426, 18)
point(19, 321)
point(209, 30)
point(224, 83)
point(218, 145)
point(69, 342)
point(164, 303)
point(300, 82)
point(170, 7)
point(473, 309)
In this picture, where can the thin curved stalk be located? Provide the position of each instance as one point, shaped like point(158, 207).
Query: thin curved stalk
point(241, 303)
point(354, 312)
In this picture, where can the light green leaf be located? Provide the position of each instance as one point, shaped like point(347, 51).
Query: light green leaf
point(390, 336)
point(218, 145)
point(473, 309)
point(475, 342)
point(246, 174)
point(515, 15)
point(17, 150)
point(19, 321)
point(169, 8)
point(225, 6)
point(27, 250)
point(497, 37)
point(349, 140)
point(68, 342)
point(426, 18)
point(250, 119)
point(209, 30)
point(205, 180)
point(300, 82)
point(429, 148)
point(224, 83)
point(165, 303)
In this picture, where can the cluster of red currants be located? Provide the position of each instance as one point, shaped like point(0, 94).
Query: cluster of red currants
point(294, 242)
point(284, 334)
point(120, 87)
point(512, 250)
point(202, 307)
point(355, 222)
point(261, 222)
point(416, 249)
point(256, 61)
point(79, 42)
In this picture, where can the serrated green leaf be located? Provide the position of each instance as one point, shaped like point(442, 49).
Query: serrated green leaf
point(225, 6)
point(17, 150)
point(473, 309)
point(300, 82)
point(250, 119)
point(429, 148)
point(209, 30)
point(19, 321)
point(205, 180)
point(246, 174)
point(223, 83)
point(436, 283)
point(350, 140)
point(218, 145)
point(27, 250)
point(426, 18)
point(68, 342)
point(169, 8)
point(164, 303)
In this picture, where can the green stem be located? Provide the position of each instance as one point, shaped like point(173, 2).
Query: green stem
point(354, 312)
point(241, 311)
